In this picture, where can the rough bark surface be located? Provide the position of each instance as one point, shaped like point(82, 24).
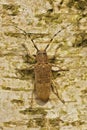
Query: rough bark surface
point(43, 18)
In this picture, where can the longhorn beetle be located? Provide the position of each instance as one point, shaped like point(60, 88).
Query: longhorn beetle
point(43, 74)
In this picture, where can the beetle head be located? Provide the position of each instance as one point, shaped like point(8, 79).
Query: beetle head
point(41, 56)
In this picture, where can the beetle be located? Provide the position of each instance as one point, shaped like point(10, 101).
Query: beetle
point(43, 72)
point(43, 81)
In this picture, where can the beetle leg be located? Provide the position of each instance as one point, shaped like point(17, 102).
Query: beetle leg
point(31, 103)
point(59, 68)
point(52, 58)
point(29, 58)
point(55, 91)
point(25, 71)
point(28, 67)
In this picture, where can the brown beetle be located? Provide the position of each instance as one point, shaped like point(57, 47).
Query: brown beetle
point(43, 73)
point(42, 76)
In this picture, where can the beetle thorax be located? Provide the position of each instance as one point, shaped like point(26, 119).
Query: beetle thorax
point(41, 56)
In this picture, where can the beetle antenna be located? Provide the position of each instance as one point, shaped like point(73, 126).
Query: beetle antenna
point(28, 35)
point(55, 36)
